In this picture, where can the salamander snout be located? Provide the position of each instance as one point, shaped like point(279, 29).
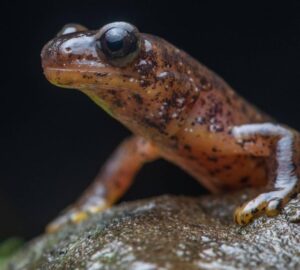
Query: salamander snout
point(73, 50)
point(77, 50)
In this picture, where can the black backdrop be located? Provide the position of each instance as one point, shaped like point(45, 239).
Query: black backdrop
point(53, 141)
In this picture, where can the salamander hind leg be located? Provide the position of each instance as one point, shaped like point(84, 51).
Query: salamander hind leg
point(284, 169)
point(110, 184)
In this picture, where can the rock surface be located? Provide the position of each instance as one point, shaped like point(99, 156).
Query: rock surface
point(169, 232)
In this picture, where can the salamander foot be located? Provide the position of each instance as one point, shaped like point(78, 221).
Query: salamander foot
point(268, 203)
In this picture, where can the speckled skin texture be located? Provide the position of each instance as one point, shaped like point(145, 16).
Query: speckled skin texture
point(181, 111)
point(168, 233)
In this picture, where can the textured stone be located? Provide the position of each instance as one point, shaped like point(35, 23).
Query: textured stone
point(169, 232)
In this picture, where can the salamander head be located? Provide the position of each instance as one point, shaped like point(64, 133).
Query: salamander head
point(141, 80)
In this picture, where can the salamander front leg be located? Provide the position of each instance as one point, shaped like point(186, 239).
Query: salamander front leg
point(111, 183)
point(285, 183)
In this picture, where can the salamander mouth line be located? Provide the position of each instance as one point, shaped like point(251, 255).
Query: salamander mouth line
point(55, 77)
point(103, 73)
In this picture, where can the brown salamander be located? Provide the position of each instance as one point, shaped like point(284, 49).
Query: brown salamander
point(178, 110)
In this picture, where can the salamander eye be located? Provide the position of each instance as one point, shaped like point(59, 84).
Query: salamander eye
point(119, 42)
point(71, 28)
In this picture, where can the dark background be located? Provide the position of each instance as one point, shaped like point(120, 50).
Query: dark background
point(53, 141)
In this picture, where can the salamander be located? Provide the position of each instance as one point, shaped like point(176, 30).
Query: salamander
point(177, 109)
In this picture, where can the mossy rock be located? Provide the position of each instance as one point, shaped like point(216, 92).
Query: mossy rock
point(168, 232)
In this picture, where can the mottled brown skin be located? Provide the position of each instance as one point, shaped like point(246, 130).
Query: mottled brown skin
point(178, 110)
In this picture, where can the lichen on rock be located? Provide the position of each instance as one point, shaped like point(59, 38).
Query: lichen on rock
point(169, 232)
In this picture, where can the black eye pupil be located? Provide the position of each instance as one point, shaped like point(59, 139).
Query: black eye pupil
point(118, 42)
point(114, 39)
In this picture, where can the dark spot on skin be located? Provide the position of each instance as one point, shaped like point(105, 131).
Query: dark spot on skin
point(117, 184)
point(145, 83)
point(213, 159)
point(138, 98)
point(244, 180)
point(205, 84)
point(228, 100)
point(244, 109)
point(167, 57)
point(174, 141)
point(174, 138)
point(87, 76)
point(119, 103)
point(114, 98)
point(226, 187)
point(101, 74)
point(160, 127)
point(227, 167)
point(187, 147)
point(126, 76)
point(145, 69)
point(214, 172)
point(202, 102)
point(175, 100)
point(217, 109)
point(214, 149)
point(112, 92)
